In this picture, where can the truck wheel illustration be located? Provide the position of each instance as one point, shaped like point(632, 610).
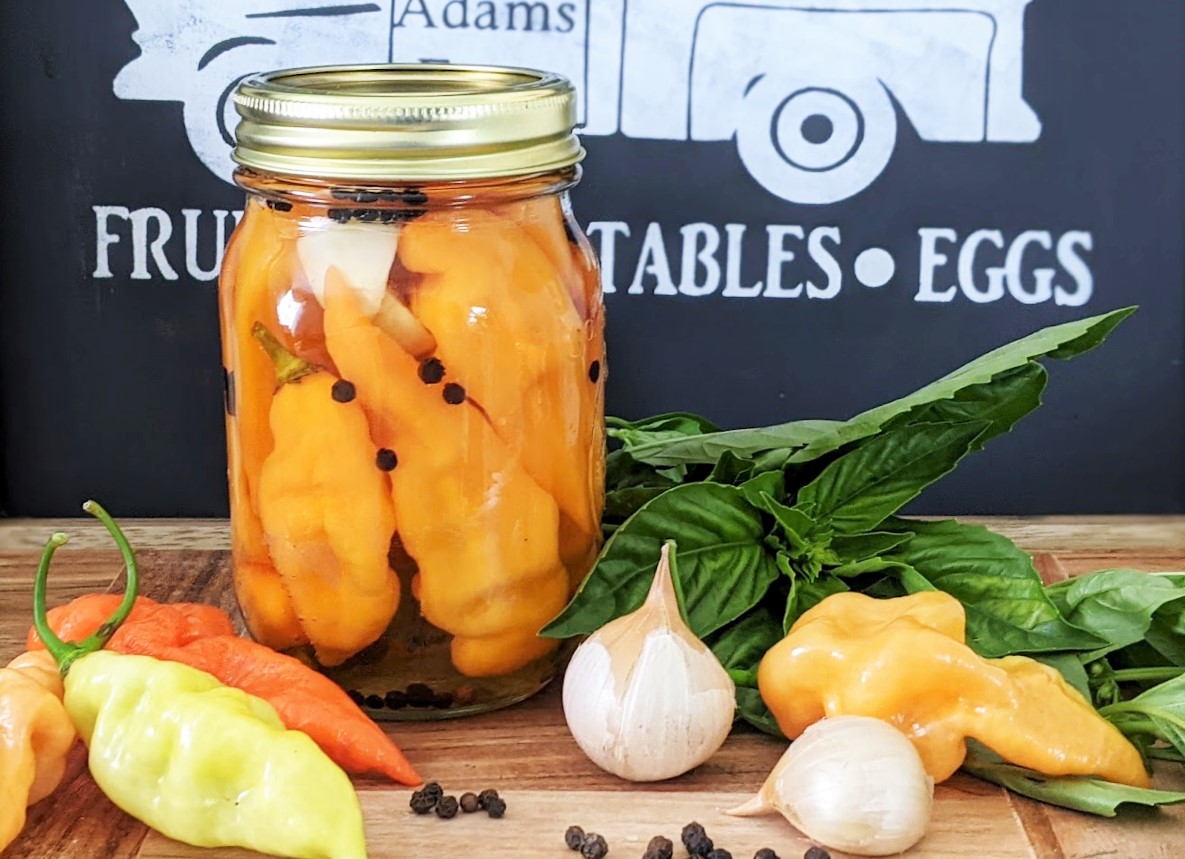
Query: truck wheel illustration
point(819, 142)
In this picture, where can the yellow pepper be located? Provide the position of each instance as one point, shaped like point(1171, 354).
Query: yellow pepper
point(505, 306)
point(482, 532)
point(325, 505)
point(35, 736)
point(904, 661)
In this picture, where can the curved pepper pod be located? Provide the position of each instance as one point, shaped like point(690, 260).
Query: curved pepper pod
point(327, 512)
point(904, 661)
point(482, 532)
point(207, 764)
point(35, 736)
point(202, 637)
point(522, 354)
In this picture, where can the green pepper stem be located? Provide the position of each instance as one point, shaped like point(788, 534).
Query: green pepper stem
point(289, 368)
point(1125, 675)
point(66, 653)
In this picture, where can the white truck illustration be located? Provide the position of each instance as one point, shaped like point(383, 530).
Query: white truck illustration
point(812, 90)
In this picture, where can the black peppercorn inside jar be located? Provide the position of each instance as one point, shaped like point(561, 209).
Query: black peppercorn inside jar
point(413, 336)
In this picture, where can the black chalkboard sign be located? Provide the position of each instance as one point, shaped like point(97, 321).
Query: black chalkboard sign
point(804, 207)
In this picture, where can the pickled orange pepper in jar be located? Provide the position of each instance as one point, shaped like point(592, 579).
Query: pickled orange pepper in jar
point(413, 338)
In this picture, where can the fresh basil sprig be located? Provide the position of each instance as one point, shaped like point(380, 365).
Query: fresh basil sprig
point(772, 520)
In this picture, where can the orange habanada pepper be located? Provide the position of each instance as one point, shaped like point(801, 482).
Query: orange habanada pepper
point(326, 509)
point(484, 535)
point(35, 736)
point(904, 661)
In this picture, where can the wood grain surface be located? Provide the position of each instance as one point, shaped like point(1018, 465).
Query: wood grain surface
point(527, 753)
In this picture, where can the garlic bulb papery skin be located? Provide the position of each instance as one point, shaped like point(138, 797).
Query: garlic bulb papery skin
point(852, 783)
point(644, 698)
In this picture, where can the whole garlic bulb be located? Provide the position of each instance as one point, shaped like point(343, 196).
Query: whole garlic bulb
point(851, 783)
point(644, 698)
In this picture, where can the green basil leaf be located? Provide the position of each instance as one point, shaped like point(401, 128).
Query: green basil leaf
point(1002, 403)
point(1070, 666)
point(1115, 605)
point(623, 503)
point(752, 709)
point(861, 547)
point(622, 471)
point(658, 428)
point(725, 568)
point(730, 468)
point(1162, 707)
point(1008, 610)
point(805, 595)
point(770, 483)
point(1059, 341)
point(1166, 634)
point(867, 485)
point(709, 447)
point(740, 647)
point(1094, 796)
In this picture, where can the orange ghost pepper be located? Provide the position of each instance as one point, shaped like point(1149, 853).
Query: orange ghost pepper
point(508, 331)
point(203, 637)
point(904, 661)
point(35, 737)
point(326, 509)
point(482, 532)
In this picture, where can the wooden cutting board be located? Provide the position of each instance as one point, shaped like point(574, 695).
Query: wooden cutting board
point(526, 753)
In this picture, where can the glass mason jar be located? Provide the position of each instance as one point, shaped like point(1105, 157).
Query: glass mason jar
point(413, 338)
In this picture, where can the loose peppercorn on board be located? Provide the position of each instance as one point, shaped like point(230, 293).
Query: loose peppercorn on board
point(527, 754)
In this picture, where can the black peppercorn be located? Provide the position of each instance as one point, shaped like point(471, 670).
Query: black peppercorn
point(454, 394)
point(431, 371)
point(340, 215)
point(395, 700)
point(485, 796)
point(343, 391)
point(279, 205)
point(718, 854)
point(765, 853)
point(409, 214)
point(816, 852)
point(414, 197)
point(419, 695)
point(495, 806)
point(594, 846)
point(594, 371)
point(357, 697)
point(446, 807)
point(386, 459)
point(342, 194)
point(469, 803)
point(442, 701)
point(696, 840)
point(366, 197)
point(367, 214)
point(659, 848)
point(374, 702)
point(574, 837)
point(422, 803)
point(432, 789)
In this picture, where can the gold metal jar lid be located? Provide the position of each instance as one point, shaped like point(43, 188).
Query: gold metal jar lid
point(423, 121)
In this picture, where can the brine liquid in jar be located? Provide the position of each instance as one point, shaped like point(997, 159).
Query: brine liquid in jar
point(413, 337)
